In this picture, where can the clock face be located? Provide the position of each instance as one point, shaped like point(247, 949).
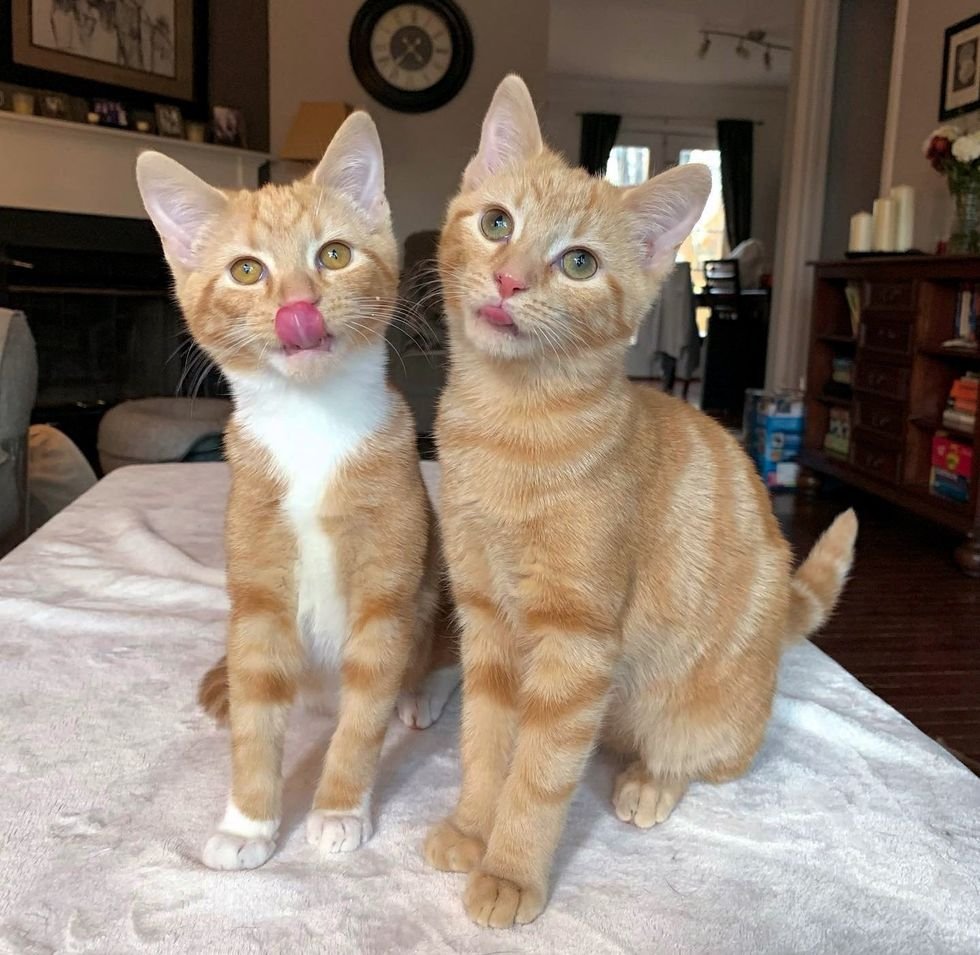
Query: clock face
point(411, 56)
point(411, 47)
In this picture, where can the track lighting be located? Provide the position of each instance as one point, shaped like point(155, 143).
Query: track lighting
point(742, 50)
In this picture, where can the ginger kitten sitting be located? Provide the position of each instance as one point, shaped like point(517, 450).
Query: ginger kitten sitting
point(617, 568)
point(331, 548)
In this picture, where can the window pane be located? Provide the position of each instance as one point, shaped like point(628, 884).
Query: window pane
point(628, 165)
point(708, 239)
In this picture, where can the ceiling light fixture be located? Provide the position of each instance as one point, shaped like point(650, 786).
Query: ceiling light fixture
point(753, 37)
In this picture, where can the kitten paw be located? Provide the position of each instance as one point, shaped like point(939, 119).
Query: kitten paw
point(422, 708)
point(644, 801)
point(493, 902)
point(450, 850)
point(332, 832)
point(228, 852)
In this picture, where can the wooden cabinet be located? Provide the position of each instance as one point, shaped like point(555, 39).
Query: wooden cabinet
point(901, 377)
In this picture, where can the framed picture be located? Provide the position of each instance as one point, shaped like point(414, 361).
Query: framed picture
point(53, 105)
point(154, 47)
point(228, 126)
point(170, 120)
point(110, 113)
point(961, 69)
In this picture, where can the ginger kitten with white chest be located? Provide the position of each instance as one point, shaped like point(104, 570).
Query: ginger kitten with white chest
point(618, 571)
point(331, 548)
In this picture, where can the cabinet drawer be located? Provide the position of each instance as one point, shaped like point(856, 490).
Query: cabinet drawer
point(880, 462)
point(889, 380)
point(890, 295)
point(880, 414)
point(892, 335)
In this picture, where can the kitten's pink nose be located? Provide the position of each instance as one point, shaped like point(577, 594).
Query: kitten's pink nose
point(509, 284)
point(300, 325)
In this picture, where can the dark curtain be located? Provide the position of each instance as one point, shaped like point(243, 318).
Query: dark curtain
point(735, 144)
point(598, 138)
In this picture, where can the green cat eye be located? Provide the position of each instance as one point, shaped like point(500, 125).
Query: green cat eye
point(496, 225)
point(579, 264)
point(334, 255)
point(246, 271)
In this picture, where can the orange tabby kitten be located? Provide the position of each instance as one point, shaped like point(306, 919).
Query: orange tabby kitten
point(618, 570)
point(331, 549)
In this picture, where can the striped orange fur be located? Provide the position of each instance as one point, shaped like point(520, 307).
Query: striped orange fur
point(617, 567)
point(331, 546)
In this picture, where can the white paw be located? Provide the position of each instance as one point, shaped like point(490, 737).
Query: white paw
point(230, 852)
point(337, 832)
point(421, 709)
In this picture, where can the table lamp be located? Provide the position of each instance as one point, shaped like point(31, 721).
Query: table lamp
point(312, 129)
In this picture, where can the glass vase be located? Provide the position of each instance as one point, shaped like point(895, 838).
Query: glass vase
point(965, 239)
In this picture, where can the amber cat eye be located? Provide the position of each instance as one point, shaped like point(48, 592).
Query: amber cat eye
point(496, 225)
point(579, 264)
point(334, 255)
point(246, 271)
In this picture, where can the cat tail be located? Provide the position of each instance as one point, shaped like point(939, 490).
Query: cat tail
point(819, 580)
point(212, 693)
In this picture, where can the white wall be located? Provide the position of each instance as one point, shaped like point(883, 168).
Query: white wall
point(919, 45)
point(425, 152)
point(570, 95)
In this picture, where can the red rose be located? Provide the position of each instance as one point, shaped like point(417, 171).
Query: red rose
point(939, 153)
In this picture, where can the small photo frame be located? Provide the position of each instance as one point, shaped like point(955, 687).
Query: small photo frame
point(111, 113)
point(170, 120)
point(228, 126)
point(961, 69)
point(53, 105)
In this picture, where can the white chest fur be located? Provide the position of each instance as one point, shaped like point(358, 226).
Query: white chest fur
point(309, 431)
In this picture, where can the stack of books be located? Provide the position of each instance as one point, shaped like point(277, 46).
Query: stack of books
point(961, 406)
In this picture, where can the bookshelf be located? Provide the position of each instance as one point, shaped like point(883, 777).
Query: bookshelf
point(890, 316)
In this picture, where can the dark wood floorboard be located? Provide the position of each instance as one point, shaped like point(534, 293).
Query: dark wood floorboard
point(908, 625)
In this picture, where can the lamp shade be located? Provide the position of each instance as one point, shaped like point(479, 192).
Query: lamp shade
point(312, 129)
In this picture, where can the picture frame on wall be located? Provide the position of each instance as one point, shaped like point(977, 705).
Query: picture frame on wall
point(155, 49)
point(960, 91)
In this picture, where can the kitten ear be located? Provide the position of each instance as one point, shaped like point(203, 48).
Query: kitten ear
point(666, 208)
point(354, 166)
point(179, 204)
point(510, 132)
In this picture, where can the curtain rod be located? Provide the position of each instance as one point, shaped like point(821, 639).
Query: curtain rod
point(709, 120)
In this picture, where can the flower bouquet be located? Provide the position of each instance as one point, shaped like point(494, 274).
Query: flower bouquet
point(956, 155)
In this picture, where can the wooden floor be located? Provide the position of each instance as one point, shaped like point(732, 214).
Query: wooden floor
point(908, 625)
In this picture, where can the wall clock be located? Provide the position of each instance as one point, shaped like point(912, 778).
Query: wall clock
point(411, 56)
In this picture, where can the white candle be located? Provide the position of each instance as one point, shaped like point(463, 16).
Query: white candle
point(884, 225)
point(861, 231)
point(904, 198)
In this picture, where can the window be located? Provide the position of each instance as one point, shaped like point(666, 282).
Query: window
point(628, 165)
point(708, 240)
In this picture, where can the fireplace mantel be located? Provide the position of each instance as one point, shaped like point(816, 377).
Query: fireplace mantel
point(58, 166)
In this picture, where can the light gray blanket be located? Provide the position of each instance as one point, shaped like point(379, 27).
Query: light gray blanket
point(852, 833)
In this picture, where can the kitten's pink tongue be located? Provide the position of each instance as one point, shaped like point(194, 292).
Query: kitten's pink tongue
point(299, 325)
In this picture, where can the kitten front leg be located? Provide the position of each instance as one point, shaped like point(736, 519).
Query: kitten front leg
point(264, 660)
point(563, 697)
point(488, 723)
point(375, 659)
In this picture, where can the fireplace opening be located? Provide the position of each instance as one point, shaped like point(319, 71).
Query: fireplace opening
point(97, 295)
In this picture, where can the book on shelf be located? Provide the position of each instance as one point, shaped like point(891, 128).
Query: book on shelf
point(852, 293)
point(965, 317)
point(952, 468)
point(837, 440)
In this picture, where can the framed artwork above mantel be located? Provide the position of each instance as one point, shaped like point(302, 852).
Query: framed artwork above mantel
point(138, 50)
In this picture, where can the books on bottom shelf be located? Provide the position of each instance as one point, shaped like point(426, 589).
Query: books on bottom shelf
point(952, 468)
